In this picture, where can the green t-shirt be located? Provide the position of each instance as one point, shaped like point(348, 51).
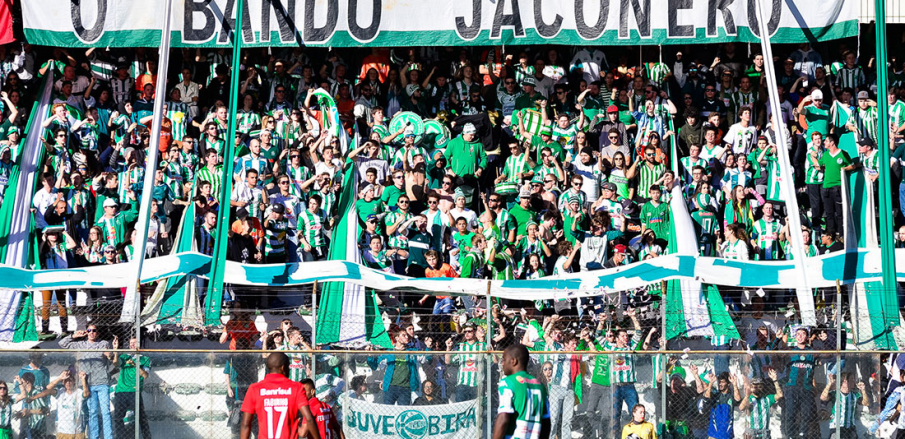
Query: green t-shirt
point(366, 208)
point(656, 218)
point(525, 397)
point(521, 217)
point(400, 373)
point(537, 144)
point(126, 381)
point(832, 167)
point(391, 195)
point(818, 119)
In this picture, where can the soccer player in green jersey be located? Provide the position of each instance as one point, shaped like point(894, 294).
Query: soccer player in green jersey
point(524, 412)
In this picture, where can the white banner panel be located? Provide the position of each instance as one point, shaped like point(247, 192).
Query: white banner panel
point(352, 23)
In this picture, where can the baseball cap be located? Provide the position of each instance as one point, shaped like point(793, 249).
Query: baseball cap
point(863, 95)
point(620, 249)
point(469, 325)
point(371, 217)
point(110, 202)
point(866, 141)
point(608, 186)
point(409, 131)
point(546, 130)
point(241, 213)
point(524, 192)
point(278, 208)
point(110, 248)
point(817, 95)
point(612, 109)
point(529, 80)
point(469, 128)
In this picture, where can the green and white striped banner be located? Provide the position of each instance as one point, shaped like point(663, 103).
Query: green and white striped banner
point(356, 23)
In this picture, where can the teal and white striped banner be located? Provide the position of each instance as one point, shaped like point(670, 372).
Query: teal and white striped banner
point(862, 265)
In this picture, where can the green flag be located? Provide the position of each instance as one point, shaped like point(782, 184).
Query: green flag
point(348, 313)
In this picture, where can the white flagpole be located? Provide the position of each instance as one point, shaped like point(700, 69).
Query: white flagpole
point(805, 297)
point(132, 301)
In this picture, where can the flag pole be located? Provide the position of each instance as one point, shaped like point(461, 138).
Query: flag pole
point(214, 297)
point(805, 296)
point(132, 302)
point(887, 253)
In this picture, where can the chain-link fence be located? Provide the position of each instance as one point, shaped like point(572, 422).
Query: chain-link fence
point(428, 394)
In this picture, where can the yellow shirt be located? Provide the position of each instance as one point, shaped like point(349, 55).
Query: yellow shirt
point(644, 430)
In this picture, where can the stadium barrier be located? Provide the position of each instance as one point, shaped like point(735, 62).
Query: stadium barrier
point(198, 393)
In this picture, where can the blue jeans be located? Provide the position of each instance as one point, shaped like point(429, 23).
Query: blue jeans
point(443, 306)
point(397, 395)
point(623, 393)
point(100, 398)
point(465, 393)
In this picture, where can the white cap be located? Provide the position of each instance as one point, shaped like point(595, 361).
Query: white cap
point(469, 128)
point(817, 95)
point(110, 202)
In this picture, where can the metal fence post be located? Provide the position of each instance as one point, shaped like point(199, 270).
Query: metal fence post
point(663, 357)
point(838, 323)
point(488, 370)
point(313, 357)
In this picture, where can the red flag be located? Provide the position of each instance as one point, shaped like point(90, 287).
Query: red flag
point(6, 22)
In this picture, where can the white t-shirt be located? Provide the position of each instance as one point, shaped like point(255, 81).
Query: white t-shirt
point(470, 217)
point(41, 201)
point(69, 412)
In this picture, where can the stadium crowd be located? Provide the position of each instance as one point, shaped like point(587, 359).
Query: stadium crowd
point(473, 163)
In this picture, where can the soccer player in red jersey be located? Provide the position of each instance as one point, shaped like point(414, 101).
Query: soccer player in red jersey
point(327, 424)
point(277, 401)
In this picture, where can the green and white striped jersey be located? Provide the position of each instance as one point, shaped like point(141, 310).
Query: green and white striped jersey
point(36, 422)
point(866, 121)
point(563, 202)
point(766, 235)
point(275, 237)
point(6, 415)
point(505, 222)
point(813, 174)
point(525, 397)
point(298, 363)
point(648, 175)
point(760, 412)
point(565, 136)
point(311, 226)
point(399, 239)
point(515, 165)
point(851, 77)
point(810, 252)
point(328, 204)
point(688, 165)
point(522, 72)
point(173, 177)
point(190, 163)
point(502, 267)
point(741, 99)
point(178, 113)
point(847, 404)
point(297, 176)
point(622, 366)
point(870, 162)
point(468, 362)
point(214, 177)
point(896, 115)
point(657, 72)
point(246, 120)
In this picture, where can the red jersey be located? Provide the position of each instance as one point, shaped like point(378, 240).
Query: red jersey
point(276, 401)
point(324, 417)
